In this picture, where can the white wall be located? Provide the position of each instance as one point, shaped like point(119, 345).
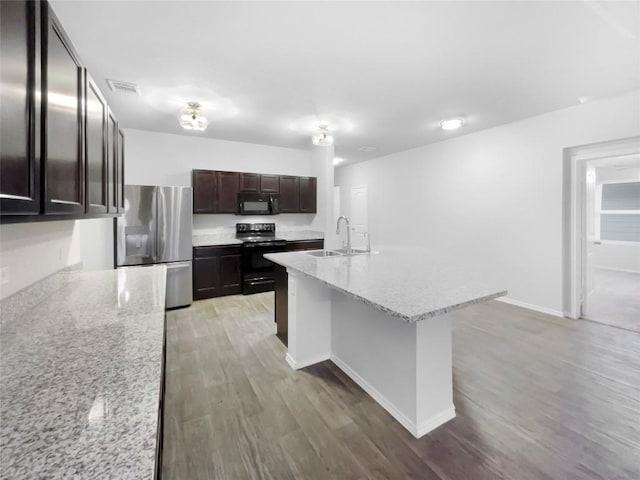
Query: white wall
point(165, 159)
point(32, 251)
point(617, 256)
point(96, 243)
point(491, 199)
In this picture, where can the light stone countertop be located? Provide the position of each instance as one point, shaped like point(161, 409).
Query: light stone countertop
point(215, 239)
point(81, 371)
point(297, 235)
point(218, 239)
point(408, 283)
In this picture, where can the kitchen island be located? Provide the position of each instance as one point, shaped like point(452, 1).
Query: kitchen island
point(384, 319)
point(81, 358)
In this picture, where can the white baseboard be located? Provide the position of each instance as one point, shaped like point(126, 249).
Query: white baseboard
point(309, 361)
point(530, 306)
point(435, 421)
point(416, 430)
point(611, 269)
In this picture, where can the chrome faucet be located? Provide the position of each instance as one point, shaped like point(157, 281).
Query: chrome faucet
point(348, 232)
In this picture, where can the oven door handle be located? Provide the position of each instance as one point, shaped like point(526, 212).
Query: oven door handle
point(265, 244)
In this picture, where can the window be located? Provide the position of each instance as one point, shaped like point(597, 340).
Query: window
point(620, 212)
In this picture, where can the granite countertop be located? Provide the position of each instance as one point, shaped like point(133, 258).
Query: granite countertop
point(217, 239)
point(80, 376)
point(296, 235)
point(410, 284)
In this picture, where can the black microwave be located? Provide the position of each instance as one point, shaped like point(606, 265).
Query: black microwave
point(258, 204)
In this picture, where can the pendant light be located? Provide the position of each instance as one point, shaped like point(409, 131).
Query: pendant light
point(192, 118)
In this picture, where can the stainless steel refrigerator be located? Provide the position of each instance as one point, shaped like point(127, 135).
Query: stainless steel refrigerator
point(156, 229)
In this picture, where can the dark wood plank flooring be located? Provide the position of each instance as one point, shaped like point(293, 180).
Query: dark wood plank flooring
point(537, 397)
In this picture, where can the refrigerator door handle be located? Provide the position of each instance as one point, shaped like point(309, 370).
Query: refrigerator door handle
point(161, 235)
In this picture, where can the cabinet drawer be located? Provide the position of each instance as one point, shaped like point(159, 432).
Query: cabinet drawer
point(216, 251)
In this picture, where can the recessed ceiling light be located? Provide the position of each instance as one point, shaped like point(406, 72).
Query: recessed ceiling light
point(366, 148)
point(452, 124)
point(337, 160)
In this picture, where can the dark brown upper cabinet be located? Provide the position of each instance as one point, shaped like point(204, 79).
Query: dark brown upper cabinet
point(270, 183)
point(62, 150)
point(289, 194)
point(217, 192)
point(120, 171)
point(228, 188)
point(249, 182)
point(95, 148)
point(19, 110)
point(205, 191)
point(308, 192)
point(112, 162)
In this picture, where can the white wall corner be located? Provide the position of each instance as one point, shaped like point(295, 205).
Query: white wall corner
point(322, 160)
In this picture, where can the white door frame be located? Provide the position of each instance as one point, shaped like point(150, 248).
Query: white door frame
point(574, 214)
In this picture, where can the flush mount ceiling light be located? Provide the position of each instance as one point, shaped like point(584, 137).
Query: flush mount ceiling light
point(321, 137)
point(452, 124)
point(192, 118)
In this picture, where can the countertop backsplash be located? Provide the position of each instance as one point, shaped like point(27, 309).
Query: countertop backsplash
point(225, 225)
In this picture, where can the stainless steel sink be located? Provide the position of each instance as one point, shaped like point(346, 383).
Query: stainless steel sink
point(354, 251)
point(323, 253)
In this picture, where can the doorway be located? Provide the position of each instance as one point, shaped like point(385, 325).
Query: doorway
point(359, 216)
point(604, 240)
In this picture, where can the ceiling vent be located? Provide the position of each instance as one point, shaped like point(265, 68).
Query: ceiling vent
point(123, 87)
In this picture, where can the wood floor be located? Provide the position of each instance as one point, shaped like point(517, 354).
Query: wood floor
point(615, 299)
point(537, 397)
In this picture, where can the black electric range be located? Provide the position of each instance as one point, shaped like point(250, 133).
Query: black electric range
point(258, 239)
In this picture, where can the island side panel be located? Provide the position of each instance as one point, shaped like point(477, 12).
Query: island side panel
point(281, 286)
point(434, 373)
point(309, 335)
point(378, 352)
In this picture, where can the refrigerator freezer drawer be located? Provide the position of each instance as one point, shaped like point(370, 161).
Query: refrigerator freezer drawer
point(179, 284)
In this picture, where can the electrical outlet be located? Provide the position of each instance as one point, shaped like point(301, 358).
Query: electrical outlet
point(4, 275)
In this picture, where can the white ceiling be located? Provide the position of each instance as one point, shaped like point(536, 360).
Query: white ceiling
point(387, 72)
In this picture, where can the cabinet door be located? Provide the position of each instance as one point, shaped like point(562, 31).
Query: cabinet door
point(205, 191)
point(63, 153)
point(289, 194)
point(112, 162)
point(228, 187)
point(206, 277)
point(308, 194)
point(120, 171)
point(95, 148)
point(249, 182)
point(270, 183)
point(230, 276)
point(19, 110)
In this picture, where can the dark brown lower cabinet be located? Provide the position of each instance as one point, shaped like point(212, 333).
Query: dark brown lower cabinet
point(216, 271)
point(282, 288)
